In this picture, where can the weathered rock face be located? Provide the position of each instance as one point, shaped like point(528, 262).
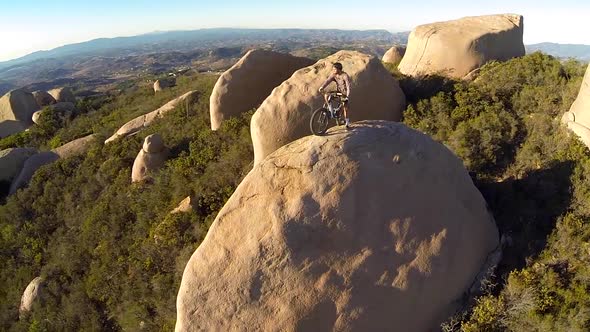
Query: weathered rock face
point(185, 206)
point(63, 95)
point(16, 110)
point(36, 117)
point(284, 116)
point(455, 48)
point(29, 296)
point(145, 120)
point(245, 85)
point(394, 54)
point(64, 109)
point(12, 161)
point(75, 147)
point(365, 230)
point(164, 83)
point(43, 98)
point(30, 167)
point(578, 117)
point(151, 157)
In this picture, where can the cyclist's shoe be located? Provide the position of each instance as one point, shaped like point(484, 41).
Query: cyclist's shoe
point(348, 127)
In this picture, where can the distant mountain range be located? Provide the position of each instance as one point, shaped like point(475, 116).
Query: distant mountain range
point(103, 61)
point(182, 41)
point(577, 51)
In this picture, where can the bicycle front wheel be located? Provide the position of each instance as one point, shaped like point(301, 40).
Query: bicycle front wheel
point(319, 121)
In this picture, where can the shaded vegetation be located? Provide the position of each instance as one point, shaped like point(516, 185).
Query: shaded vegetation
point(535, 177)
point(112, 255)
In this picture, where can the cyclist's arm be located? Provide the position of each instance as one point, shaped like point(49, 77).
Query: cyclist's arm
point(328, 81)
point(347, 81)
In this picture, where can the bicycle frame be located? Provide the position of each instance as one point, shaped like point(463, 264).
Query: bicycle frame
point(328, 105)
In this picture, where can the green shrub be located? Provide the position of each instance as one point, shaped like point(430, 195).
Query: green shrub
point(535, 177)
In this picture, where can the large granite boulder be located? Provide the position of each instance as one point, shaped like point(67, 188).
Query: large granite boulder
point(375, 229)
point(578, 117)
point(12, 161)
point(164, 83)
point(146, 120)
point(30, 295)
point(247, 83)
point(16, 109)
point(43, 98)
point(455, 48)
point(36, 161)
point(65, 110)
point(32, 164)
point(152, 156)
point(394, 55)
point(76, 147)
point(284, 116)
point(63, 95)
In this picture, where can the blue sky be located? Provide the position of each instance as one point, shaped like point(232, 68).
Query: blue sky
point(27, 26)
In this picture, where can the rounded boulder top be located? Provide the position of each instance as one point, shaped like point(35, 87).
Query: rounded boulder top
point(64, 94)
point(394, 55)
point(360, 230)
point(153, 143)
point(245, 85)
point(455, 48)
point(284, 115)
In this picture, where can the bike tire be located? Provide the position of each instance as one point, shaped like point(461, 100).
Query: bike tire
point(319, 121)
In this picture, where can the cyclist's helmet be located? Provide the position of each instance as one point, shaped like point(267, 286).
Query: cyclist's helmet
point(337, 65)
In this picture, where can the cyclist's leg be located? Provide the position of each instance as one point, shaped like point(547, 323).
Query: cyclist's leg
point(346, 118)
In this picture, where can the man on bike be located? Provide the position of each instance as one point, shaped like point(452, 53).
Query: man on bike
point(342, 81)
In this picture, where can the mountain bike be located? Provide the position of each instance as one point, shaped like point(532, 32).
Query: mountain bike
point(332, 109)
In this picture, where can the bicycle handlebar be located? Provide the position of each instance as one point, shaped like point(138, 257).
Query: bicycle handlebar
point(334, 92)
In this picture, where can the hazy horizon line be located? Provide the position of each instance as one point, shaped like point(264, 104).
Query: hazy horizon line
point(225, 27)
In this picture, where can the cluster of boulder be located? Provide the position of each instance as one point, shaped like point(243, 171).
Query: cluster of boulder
point(283, 115)
point(330, 232)
point(19, 109)
point(18, 165)
point(16, 112)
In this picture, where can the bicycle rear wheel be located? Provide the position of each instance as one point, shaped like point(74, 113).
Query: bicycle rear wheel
point(319, 121)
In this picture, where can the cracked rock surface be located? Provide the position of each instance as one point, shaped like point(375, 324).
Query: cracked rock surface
point(373, 229)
